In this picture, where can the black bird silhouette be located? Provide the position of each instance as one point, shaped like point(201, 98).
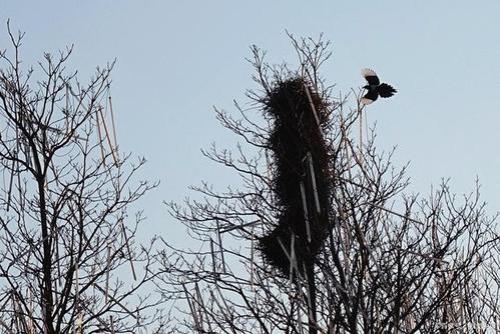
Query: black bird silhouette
point(374, 87)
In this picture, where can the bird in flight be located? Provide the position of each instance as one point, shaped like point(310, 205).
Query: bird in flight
point(374, 87)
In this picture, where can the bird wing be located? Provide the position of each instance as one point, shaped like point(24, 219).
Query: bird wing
point(369, 97)
point(370, 76)
point(386, 90)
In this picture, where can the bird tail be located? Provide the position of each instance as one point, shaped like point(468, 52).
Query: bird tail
point(386, 90)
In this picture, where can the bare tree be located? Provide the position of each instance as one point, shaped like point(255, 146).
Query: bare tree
point(69, 262)
point(392, 262)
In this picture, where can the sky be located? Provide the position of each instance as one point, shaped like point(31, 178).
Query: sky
point(178, 59)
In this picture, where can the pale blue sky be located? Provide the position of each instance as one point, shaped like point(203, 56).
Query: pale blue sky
point(176, 59)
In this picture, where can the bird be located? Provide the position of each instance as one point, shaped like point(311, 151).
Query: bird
point(374, 87)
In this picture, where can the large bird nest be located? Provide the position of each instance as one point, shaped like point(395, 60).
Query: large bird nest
point(301, 174)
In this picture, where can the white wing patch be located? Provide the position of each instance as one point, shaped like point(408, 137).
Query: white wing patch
point(366, 72)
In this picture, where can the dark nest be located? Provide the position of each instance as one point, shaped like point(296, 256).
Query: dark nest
point(298, 134)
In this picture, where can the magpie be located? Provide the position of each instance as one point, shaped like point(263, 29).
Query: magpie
point(374, 87)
